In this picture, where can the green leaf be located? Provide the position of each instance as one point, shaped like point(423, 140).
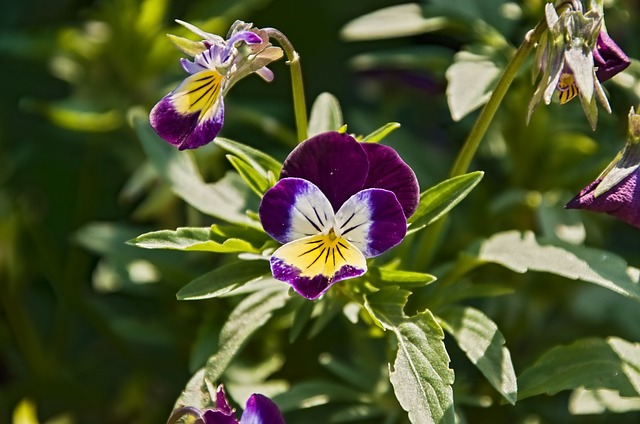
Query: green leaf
point(261, 161)
point(600, 401)
point(226, 199)
point(315, 393)
point(420, 375)
point(326, 115)
point(478, 336)
point(250, 314)
point(224, 279)
point(186, 46)
point(441, 198)
point(390, 22)
point(590, 363)
point(381, 133)
point(381, 277)
point(254, 178)
point(193, 239)
point(522, 251)
point(471, 79)
point(196, 393)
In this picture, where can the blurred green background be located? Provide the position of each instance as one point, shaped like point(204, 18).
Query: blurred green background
point(90, 330)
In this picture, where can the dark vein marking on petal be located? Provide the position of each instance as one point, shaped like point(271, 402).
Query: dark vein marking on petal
point(316, 259)
point(352, 228)
point(347, 221)
point(340, 252)
point(310, 250)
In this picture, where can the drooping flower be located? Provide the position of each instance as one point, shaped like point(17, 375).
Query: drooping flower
point(338, 202)
point(576, 56)
point(192, 114)
point(617, 190)
point(258, 410)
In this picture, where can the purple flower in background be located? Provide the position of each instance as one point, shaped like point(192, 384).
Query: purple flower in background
point(258, 410)
point(617, 190)
point(192, 114)
point(337, 203)
point(608, 58)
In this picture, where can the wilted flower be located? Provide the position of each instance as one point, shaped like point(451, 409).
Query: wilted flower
point(259, 410)
point(576, 55)
point(192, 114)
point(617, 190)
point(337, 203)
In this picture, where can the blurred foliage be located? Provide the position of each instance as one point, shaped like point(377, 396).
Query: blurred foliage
point(90, 328)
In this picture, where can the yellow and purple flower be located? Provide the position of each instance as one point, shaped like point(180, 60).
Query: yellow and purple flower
point(192, 114)
point(617, 190)
point(338, 202)
point(576, 55)
point(258, 410)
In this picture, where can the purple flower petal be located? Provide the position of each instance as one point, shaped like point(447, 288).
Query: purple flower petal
point(313, 264)
point(608, 57)
point(373, 221)
point(221, 401)
point(212, 416)
point(261, 410)
point(295, 208)
point(334, 162)
point(192, 114)
point(622, 201)
point(388, 171)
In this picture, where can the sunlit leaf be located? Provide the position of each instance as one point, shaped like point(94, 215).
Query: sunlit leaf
point(441, 198)
point(248, 316)
point(381, 133)
point(192, 239)
point(521, 252)
point(326, 115)
point(254, 178)
point(223, 280)
point(226, 199)
point(471, 79)
point(25, 413)
point(385, 277)
point(478, 336)
point(593, 363)
point(600, 401)
point(391, 22)
point(420, 374)
point(261, 161)
point(315, 393)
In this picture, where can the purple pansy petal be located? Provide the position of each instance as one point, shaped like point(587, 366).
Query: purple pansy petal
point(373, 221)
point(265, 73)
point(313, 264)
point(334, 162)
point(608, 57)
point(191, 115)
point(261, 410)
point(191, 67)
point(212, 416)
point(221, 401)
point(295, 208)
point(622, 201)
point(388, 171)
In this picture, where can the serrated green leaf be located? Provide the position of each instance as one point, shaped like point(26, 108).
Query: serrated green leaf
point(224, 279)
point(522, 251)
point(192, 239)
point(441, 198)
point(420, 376)
point(254, 179)
point(326, 115)
point(261, 161)
point(249, 316)
point(471, 79)
point(391, 22)
point(226, 199)
point(384, 277)
point(590, 363)
point(478, 336)
point(381, 133)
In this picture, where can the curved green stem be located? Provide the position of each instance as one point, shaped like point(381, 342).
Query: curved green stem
point(299, 105)
point(461, 165)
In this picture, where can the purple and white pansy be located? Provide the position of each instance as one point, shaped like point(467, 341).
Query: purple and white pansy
point(258, 410)
point(338, 202)
point(192, 114)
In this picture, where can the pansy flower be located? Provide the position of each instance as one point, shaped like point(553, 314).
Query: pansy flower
point(617, 190)
point(258, 410)
point(192, 114)
point(338, 202)
point(576, 56)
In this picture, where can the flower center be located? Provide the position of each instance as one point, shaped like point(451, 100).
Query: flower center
point(567, 87)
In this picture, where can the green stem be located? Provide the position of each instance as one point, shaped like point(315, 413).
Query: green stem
point(428, 242)
point(461, 165)
point(299, 104)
